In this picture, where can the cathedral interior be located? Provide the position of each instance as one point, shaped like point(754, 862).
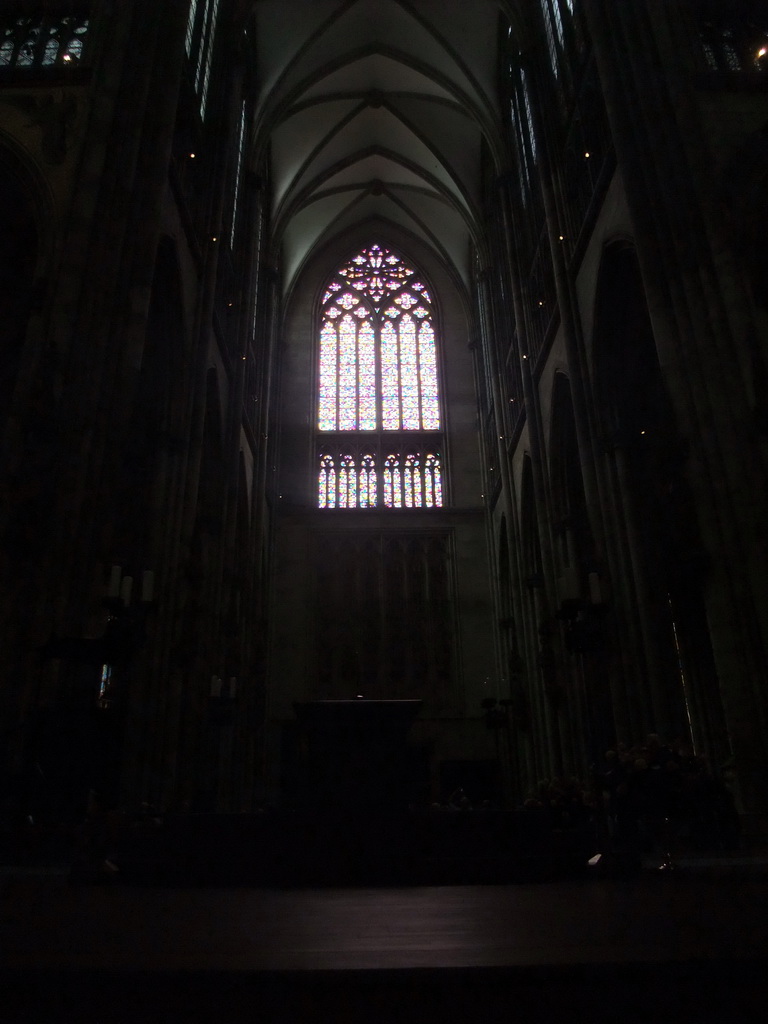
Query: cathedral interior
point(382, 412)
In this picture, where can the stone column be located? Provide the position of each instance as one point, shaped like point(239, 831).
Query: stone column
point(658, 148)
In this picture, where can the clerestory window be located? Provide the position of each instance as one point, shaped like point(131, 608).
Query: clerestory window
point(41, 40)
point(201, 32)
point(378, 406)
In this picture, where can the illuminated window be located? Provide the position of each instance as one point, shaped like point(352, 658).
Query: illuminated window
point(105, 686)
point(200, 35)
point(733, 46)
point(528, 115)
point(378, 413)
point(553, 22)
point(238, 174)
point(42, 41)
point(191, 24)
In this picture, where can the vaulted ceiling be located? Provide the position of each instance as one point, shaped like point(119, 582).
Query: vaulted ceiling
point(375, 110)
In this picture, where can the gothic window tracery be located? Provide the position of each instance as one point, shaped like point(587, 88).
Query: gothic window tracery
point(733, 38)
point(378, 416)
point(42, 41)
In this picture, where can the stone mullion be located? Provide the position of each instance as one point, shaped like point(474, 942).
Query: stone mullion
point(266, 298)
point(265, 286)
point(737, 605)
point(101, 425)
point(548, 714)
point(492, 328)
point(237, 392)
point(678, 305)
point(632, 601)
point(156, 676)
point(730, 310)
point(147, 215)
point(656, 709)
point(599, 490)
point(633, 628)
point(159, 754)
point(507, 258)
point(44, 381)
point(88, 332)
point(138, 248)
point(733, 320)
point(254, 588)
point(173, 580)
point(220, 584)
point(581, 398)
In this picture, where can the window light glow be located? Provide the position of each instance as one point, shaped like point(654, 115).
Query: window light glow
point(377, 374)
point(378, 367)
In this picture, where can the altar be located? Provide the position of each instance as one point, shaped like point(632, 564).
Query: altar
point(355, 754)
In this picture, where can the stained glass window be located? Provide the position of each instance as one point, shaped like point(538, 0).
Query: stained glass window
point(377, 373)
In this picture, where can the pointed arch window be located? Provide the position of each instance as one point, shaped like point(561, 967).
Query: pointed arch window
point(378, 406)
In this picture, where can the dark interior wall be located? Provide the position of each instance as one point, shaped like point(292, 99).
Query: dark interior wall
point(659, 517)
point(19, 250)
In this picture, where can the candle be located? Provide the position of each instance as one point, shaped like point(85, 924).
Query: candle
point(125, 589)
point(114, 581)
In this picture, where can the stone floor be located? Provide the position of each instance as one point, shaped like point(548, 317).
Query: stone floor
point(690, 945)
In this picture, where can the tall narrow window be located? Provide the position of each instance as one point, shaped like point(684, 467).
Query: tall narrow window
point(191, 22)
point(42, 40)
point(378, 416)
point(553, 23)
point(200, 35)
point(531, 139)
point(238, 174)
point(209, 34)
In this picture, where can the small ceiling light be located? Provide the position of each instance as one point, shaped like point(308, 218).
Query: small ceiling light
point(586, 156)
point(762, 51)
point(214, 238)
point(68, 57)
point(191, 156)
point(524, 357)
